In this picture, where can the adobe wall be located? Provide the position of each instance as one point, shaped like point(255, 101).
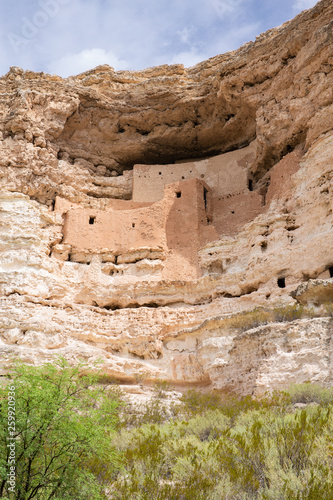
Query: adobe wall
point(190, 215)
point(232, 213)
point(177, 226)
point(225, 174)
point(62, 205)
point(177, 218)
point(116, 230)
point(281, 175)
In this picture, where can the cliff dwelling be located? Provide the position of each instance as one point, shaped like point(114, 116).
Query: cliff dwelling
point(175, 210)
point(142, 212)
point(167, 234)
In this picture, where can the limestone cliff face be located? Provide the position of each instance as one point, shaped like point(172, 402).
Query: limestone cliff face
point(139, 210)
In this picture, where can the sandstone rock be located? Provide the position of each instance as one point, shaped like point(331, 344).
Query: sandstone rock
point(228, 167)
point(314, 293)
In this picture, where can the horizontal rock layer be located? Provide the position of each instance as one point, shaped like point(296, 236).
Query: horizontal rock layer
point(78, 139)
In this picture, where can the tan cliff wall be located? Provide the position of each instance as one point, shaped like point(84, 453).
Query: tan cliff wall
point(156, 307)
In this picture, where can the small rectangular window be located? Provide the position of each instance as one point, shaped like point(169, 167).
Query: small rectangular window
point(281, 282)
point(92, 220)
point(178, 194)
point(205, 192)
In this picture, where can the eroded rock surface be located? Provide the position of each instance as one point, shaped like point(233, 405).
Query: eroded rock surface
point(139, 210)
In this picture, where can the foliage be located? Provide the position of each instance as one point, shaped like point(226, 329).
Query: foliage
point(310, 393)
point(157, 410)
point(211, 447)
point(281, 313)
point(251, 319)
point(224, 447)
point(288, 313)
point(63, 431)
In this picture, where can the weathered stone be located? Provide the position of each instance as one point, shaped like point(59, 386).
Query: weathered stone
point(225, 170)
point(314, 293)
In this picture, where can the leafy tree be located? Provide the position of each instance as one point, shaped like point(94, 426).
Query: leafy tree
point(63, 429)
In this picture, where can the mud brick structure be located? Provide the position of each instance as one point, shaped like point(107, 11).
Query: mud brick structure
point(172, 229)
point(228, 176)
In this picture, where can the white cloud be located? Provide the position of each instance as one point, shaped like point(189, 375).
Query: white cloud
point(300, 5)
point(188, 58)
point(199, 51)
point(227, 7)
point(75, 63)
point(132, 34)
point(185, 34)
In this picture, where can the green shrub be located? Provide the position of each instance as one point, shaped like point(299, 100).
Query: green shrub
point(161, 387)
point(295, 437)
point(250, 319)
point(206, 427)
point(197, 402)
point(156, 411)
point(288, 313)
point(228, 448)
point(262, 316)
point(310, 393)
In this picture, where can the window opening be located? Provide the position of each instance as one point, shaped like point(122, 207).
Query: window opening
point(281, 282)
point(92, 220)
point(250, 185)
point(205, 192)
point(178, 194)
point(330, 269)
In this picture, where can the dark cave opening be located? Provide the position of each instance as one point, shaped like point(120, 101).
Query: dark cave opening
point(281, 282)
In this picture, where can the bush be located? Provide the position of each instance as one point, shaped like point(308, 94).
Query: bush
point(62, 430)
point(157, 410)
point(231, 448)
point(196, 402)
point(288, 313)
point(250, 319)
point(310, 393)
point(261, 316)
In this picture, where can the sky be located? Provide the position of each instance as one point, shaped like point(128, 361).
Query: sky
point(67, 37)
